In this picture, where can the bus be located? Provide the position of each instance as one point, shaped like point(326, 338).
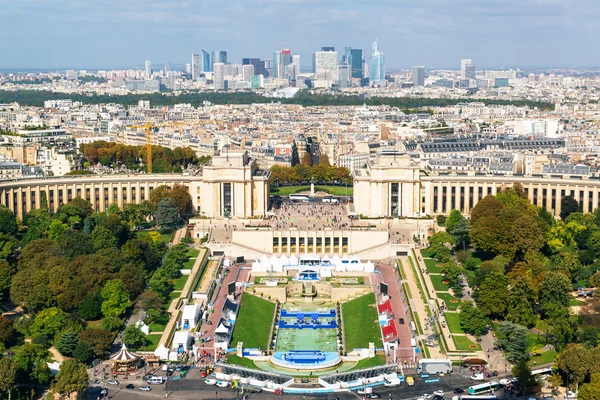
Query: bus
point(298, 197)
point(541, 372)
point(483, 388)
point(475, 397)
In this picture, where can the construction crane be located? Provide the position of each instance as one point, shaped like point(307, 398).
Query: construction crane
point(148, 129)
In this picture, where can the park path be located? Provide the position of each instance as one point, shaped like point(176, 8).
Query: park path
point(172, 310)
point(417, 304)
point(179, 234)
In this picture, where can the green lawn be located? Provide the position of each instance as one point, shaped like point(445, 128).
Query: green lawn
point(370, 362)
point(164, 237)
point(412, 265)
point(193, 252)
point(438, 285)
point(453, 324)
point(152, 344)
point(334, 190)
point(180, 282)
point(95, 324)
point(253, 324)
point(189, 264)
point(361, 324)
point(544, 358)
point(241, 361)
point(452, 303)
point(432, 266)
point(462, 343)
point(154, 327)
point(576, 303)
point(172, 296)
point(425, 253)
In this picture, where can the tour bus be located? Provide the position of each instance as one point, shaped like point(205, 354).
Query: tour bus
point(475, 397)
point(483, 388)
point(330, 199)
point(298, 197)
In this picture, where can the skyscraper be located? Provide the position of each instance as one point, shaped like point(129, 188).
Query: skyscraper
point(418, 76)
point(327, 48)
point(247, 72)
point(286, 59)
point(343, 75)
point(347, 57)
point(167, 67)
point(148, 69)
point(219, 76)
point(223, 56)
point(212, 60)
point(277, 67)
point(206, 64)
point(467, 69)
point(326, 66)
point(376, 65)
point(356, 63)
point(296, 62)
point(195, 66)
point(259, 65)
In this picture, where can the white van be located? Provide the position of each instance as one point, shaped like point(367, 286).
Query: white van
point(156, 380)
point(477, 377)
point(392, 382)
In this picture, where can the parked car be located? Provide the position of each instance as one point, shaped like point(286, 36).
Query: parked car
point(145, 388)
point(458, 391)
point(401, 320)
point(210, 381)
point(438, 393)
point(223, 384)
point(130, 386)
point(112, 382)
point(373, 396)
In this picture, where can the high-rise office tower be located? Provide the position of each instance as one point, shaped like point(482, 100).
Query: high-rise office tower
point(327, 48)
point(343, 76)
point(467, 69)
point(212, 60)
point(219, 76)
point(277, 66)
point(259, 65)
point(223, 56)
point(206, 64)
point(326, 66)
point(247, 72)
point(167, 67)
point(418, 76)
point(296, 62)
point(148, 69)
point(347, 57)
point(286, 59)
point(196, 66)
point(356, 62)
point(376, 65)
point(188, 68)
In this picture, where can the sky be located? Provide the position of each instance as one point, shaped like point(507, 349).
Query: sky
point(100, 34)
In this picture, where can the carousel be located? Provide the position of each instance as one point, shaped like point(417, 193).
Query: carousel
point(125, 361)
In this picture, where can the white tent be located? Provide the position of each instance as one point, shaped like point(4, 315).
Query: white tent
point(264, 260)
point(293, 261)
point(337, 263)
point(284, 260)
point(369, 267)
point(181, 339)
point(256, 266)
point(222, 329)
point(162, 352)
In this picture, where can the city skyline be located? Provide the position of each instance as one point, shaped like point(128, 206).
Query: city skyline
point(526, 34)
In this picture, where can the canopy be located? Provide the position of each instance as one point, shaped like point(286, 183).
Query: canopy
point(124, 355)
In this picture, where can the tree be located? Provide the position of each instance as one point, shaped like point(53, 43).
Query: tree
point(134, 337)
point(100, 340)
point(91, 307)
point(7, 331)
point(166, 213)
point(132, 277)
point(115, 298)
point(307, 159)
point(102, 238)
point(554, 291)
point(158, 193)
point(6, 273)
point(57, 229)
point(575, 362)
point(160, 282)
point(568, 262)
point(324, 159)
point(181, 197)
point(8, 374)
point(492, 295)
point(472, 320)
point(590, 391)
point(453, 218)
point(72, 378)
point(522, 372)
point(49, 322)
point(489, 206)
point(568, 205)
point(512, 338)
point(27, 358)
point(83, 352)
point(67, 342)
point(112, 324)
point(8, 221)
point(148, 300)
point(521, 299)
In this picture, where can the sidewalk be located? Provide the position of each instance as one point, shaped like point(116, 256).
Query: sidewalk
point(172, 310)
